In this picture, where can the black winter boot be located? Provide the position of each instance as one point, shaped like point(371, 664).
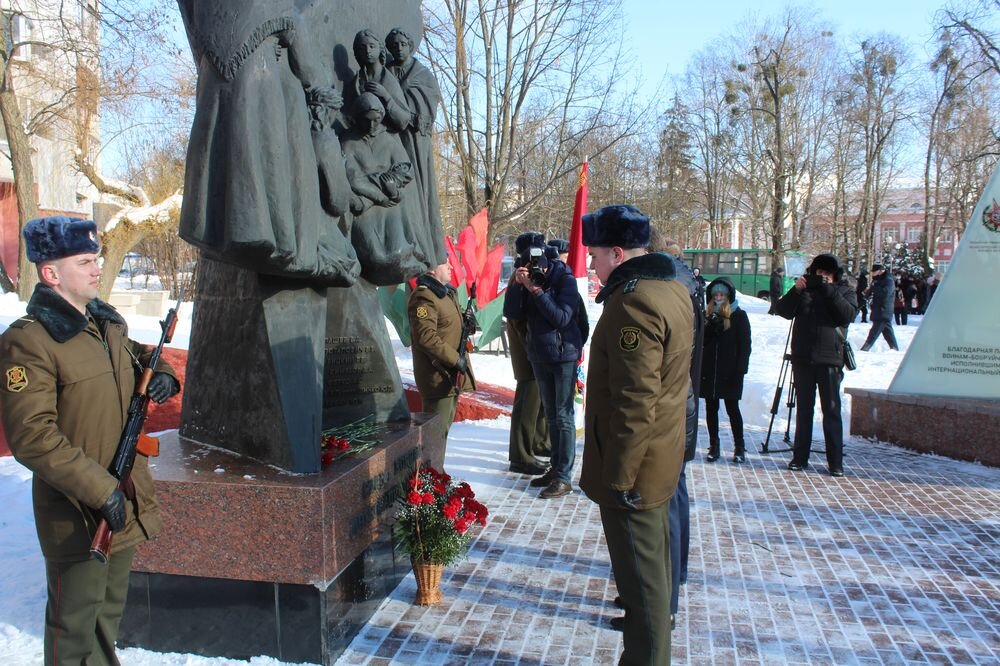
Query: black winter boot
point(713, 451)
point(739, 453)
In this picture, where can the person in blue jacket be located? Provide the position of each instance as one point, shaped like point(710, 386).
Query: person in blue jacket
point(545, 295)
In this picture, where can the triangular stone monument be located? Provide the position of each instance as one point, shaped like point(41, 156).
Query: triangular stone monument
point(956, 350)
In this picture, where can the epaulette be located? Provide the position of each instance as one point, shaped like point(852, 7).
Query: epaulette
point(630, 286)
point(23, 321)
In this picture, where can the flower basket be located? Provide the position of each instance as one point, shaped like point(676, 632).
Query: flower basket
point(432, 526)
point(428, 583)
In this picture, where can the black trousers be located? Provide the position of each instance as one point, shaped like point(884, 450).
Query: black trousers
point(883, 328)
point(735, 422)
point(826, 379)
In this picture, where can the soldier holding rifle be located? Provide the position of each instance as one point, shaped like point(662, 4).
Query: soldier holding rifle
point(439, 332)
point(70, 373)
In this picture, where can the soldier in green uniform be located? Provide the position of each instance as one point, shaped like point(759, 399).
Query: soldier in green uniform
point(436, 324)
point(529, 435)
point(69, 374)
point(640, 357)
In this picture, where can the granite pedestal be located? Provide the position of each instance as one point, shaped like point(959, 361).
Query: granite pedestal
point(960, 428)
point(254, 560)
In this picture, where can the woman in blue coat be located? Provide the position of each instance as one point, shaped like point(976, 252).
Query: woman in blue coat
point(724, 361)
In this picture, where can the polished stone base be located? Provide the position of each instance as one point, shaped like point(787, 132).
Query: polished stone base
point(240, 619)
point(959, 428)
point(254, 560)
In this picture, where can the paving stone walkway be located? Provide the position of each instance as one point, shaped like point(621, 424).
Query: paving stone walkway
point(897, 563)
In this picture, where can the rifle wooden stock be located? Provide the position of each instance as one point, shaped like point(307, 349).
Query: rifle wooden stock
point(129, 442)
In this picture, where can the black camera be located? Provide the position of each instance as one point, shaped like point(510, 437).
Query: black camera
point(814, 281)
point(535, 271)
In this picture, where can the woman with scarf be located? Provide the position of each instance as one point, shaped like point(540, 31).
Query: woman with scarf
point(725, 359)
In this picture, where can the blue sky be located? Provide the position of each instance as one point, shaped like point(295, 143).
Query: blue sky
point(666, 33)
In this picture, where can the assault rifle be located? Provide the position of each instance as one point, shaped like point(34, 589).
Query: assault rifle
point(132, 438)
point(469, 325)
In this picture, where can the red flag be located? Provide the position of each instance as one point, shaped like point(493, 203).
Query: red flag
point(489, 276)
point(480, 223)
point(457, 273)
point(467, 245)
point(577, 260)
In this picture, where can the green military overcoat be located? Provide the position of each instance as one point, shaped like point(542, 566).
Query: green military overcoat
point(435, 331)
point(637, 384)
point(65, 397)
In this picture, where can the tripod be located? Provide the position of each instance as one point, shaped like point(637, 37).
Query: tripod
point(783, 376)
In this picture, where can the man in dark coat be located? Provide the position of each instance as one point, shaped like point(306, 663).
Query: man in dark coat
point(528, 432)
point(440, 370)
point(883, 295)
point(862, 293)
point(545, 295)
point(776, 287)
point(821, 306)
point(71, 371)
point(635, 434)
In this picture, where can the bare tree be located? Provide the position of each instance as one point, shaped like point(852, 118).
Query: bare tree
point(82, 52)
point(977, 22)
point(873, 101)
point(712, 138)
point(556, 63)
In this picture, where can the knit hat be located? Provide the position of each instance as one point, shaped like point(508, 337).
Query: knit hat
point(48, 238)
point(724, 286)
point(620, 225)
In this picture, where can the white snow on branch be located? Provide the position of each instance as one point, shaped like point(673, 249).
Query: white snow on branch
point(148, 214)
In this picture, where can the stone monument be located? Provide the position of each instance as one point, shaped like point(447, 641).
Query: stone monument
point(945, 397)
point(308, 184)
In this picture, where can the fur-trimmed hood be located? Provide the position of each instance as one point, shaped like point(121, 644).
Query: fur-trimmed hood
point(62, 320)
point(652, 266)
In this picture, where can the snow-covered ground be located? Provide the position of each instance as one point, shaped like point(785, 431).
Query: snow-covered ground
point(22, 581)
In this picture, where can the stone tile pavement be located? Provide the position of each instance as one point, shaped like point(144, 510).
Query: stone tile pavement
point(897, 563)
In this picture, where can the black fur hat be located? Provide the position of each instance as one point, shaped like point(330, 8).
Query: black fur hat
point(528, 239)
point(48, 238)
point(561, 246)
point(825, 262)
point(619, 225)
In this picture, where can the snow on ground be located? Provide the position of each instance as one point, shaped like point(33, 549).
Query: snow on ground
point(22, 581)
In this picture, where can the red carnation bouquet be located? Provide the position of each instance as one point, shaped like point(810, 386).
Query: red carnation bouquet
point(433, 525)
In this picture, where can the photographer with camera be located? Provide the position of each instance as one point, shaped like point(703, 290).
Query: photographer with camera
point(545, 295)
point(820, 304)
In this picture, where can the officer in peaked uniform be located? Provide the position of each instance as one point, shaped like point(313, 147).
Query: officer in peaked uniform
point(640, 359)
point(69, 375)
point(436, 324)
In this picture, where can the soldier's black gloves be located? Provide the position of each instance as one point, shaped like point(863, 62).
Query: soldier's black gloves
point(161, 387)
point(627, 499)
point(113, 510)
point(462, 365)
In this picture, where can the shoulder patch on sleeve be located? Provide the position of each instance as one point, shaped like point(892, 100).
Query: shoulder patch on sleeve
point(628, 339)
point(17, 379)
point(631, 285)
point(422, 312)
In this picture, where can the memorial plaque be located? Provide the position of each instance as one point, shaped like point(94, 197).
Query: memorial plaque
point(360, 377)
